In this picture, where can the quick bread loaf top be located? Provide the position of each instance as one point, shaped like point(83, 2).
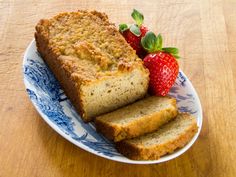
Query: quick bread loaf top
point(96, 67)
point(90, 37)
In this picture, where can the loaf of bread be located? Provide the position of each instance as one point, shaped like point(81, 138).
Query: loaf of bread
point(95, 66)
point(171, 136)
point(143, 116)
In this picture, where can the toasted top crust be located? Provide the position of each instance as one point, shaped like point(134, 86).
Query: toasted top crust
point(88, 46)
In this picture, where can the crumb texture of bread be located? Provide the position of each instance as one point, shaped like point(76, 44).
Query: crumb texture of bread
point(141, 117)
point(95, 66)
point(168, 138)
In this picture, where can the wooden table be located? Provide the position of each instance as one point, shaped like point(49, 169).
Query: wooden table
point(205, 33)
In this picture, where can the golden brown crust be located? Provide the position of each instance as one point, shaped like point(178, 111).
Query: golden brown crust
point(140, 126)
point(134, 152)
point(108, 131)
point(71, 89)
point(115, 53)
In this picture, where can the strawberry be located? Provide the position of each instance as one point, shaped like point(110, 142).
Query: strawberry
point(135, 32)
point(143, 30)
point(161, 62)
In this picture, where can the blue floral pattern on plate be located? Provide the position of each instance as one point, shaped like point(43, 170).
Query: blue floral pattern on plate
point(55, 108)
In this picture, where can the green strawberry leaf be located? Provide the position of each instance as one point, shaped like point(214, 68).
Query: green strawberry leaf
point(159, 42)
point(171, 50)
point(138, 17)
point(176, 56)
point(149, 42)
point(152, 44)
point(123, 27)
point(135, 30)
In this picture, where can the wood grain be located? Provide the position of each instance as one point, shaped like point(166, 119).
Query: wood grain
point(205, 33)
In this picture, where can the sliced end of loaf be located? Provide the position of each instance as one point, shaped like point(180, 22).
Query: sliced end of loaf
point(106, 95)
point(139, 118)
point(152, 146)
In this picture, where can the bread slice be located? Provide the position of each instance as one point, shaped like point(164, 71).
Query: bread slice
point(141, 117)
point(152, 146)
point(96, 67)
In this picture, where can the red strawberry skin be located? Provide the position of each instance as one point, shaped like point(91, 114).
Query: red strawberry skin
point(135, 41)
point(143, 30)
point(163, 69)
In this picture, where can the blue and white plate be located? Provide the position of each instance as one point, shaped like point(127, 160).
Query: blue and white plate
point(55, 108)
